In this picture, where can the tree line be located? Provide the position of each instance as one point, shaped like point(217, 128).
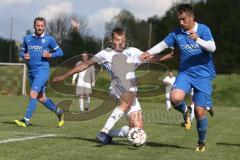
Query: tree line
point(223, 18)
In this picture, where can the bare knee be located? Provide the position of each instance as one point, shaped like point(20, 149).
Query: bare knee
point(33, 94)
point(200, 112)
point(41, 97)
point(177, 96)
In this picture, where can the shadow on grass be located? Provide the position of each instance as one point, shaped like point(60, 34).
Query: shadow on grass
point(117, 142)
point(228, 144)
point(155, 144)
point(13, 123)
point(170, 124)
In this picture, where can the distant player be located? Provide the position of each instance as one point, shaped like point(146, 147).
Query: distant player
point(168, 81)
point(196, 45)
point(120, 62)
point(85, 82)
point(37, 49)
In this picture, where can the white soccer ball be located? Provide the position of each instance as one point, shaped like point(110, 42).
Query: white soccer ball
point(137, 136)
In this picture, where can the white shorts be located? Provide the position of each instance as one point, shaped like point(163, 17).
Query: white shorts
point(134, 108)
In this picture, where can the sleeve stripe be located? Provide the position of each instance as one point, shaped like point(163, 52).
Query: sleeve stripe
point(56, 48)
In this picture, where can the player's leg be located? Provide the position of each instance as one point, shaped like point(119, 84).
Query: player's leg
point(49, 104)
point(32, 103)
point(202, 101)
point(81, 102)
point(135, 118)
point(126, 101)
point(181, 86)
point(168, 102)
point(87, 102)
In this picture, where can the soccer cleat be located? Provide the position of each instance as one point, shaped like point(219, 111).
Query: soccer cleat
point(60, 117)
point(22, 123)
point(187, 118)
point(201, 147)
point(103, 138)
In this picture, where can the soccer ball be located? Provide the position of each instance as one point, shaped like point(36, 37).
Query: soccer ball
point(137, 137)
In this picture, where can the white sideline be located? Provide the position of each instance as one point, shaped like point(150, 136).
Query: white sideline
point(27, 138)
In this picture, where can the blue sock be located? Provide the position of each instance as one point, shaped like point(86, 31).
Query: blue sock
point(202, 126)
point(51, 106)
point(31, 108)
point(181, 107)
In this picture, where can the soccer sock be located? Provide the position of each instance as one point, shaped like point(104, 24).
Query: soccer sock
point(120, 132)
point(181, 107)
point(31, 108)
point(114, 117)
point(192, 114)
point(202, 126)
point(81, 103)
point(168, 104)
point(51, 106)
point(87, 101)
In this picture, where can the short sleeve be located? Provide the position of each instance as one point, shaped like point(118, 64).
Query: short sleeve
point(53, 44)
point(100, 57)
point(170, 40)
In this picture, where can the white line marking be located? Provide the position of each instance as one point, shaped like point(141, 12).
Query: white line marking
point(27, 138)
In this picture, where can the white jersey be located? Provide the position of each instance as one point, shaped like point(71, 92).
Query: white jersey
point(86, 77)
point(120, 66)
point(169, 81)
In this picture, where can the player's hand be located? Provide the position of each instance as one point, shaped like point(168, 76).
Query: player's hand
point(58, 78)
point(144, 56)
point(46, 54)
point(26, 56)
point(193, 35)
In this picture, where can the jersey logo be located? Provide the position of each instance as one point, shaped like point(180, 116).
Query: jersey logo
point(43, 40)
point(35, 47)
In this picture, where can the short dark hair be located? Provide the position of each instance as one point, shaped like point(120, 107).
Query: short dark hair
point(39, 19)
point(185, 7)
point(118, 31)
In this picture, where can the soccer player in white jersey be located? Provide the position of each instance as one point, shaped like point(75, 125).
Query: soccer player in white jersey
point(85, 82)
point(120, 62)
point(168, 81)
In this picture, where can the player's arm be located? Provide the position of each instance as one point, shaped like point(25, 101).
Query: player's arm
point(154, 50)
point(79, 68)
point(160, 58)
point(207, 45)
point(24, 51)
point(56, 50)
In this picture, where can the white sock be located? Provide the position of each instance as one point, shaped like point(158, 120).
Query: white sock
point(87, 101)
point(114, 117)
point(120, 132)
point(81, 103)
point(192, 114)
point(168, 102)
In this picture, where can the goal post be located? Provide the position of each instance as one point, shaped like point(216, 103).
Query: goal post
point(13, 78)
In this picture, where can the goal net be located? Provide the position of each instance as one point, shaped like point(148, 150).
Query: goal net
point(13, 78)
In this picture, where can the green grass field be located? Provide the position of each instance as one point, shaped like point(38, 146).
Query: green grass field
point(167, 140)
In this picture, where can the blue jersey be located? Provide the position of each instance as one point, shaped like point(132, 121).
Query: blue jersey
point(194, 61)
point(35, 46)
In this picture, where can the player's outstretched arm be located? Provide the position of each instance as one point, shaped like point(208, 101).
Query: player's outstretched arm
point(76, 69)
point(160, 58)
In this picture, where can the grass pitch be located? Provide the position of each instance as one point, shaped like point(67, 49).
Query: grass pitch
point(76, 140)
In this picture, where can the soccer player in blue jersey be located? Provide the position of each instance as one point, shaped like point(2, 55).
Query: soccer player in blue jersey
point(37, 49)
point(195, 45)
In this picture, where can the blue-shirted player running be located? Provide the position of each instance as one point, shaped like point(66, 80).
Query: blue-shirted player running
point(195, 45)
point(37, 49)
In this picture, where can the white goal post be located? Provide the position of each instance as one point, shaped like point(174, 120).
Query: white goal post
point(11, 77)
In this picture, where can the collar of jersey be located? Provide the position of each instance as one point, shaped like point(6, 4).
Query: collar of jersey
point(194, 29)
point(34, 35)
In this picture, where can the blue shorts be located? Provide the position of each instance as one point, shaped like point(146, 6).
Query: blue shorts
point(38, 79)
point(202, 89)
